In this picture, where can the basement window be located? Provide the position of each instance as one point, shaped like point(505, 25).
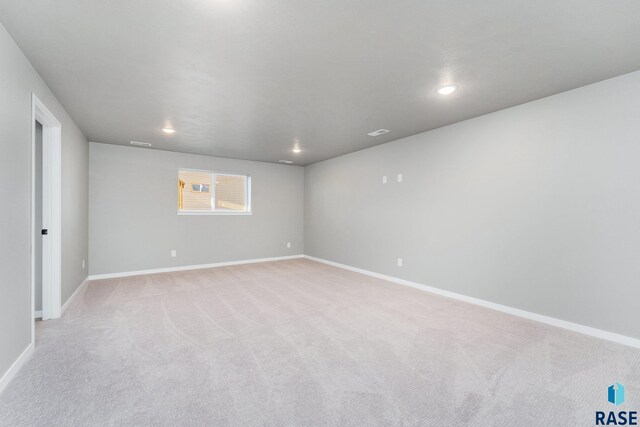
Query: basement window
point(213, 193)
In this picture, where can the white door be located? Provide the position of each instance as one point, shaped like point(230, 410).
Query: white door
point(49, 233)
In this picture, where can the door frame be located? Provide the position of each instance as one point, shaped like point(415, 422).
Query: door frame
point(51, 212)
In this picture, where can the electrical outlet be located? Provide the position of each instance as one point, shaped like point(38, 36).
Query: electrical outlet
point(384, 179)
point(399, 262)
point(399, 177)
point(173, 253)
point(288, 244)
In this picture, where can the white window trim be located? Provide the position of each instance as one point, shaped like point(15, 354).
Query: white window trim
point(212, 191)
point(213, 213)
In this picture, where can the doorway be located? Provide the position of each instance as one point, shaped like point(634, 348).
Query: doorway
point(38, 261)
point(45, 213)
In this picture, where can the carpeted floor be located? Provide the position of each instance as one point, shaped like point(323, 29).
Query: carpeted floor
point(301, 343)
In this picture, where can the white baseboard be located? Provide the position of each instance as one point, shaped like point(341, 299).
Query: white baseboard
point(13, 370)
point(73, 295)
point(575, 327)
point(189, 267)
point(37, 314)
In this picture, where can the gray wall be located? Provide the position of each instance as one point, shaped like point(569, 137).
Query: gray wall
point(133, 212)
point(536, 207)
point(18, 80)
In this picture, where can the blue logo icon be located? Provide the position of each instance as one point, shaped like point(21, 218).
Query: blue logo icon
point(616, 394)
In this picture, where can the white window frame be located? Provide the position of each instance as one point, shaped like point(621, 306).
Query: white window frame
point(212, 192)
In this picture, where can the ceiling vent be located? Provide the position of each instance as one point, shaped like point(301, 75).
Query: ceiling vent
point(378, 132)
point(140, 144)
point(288, 162)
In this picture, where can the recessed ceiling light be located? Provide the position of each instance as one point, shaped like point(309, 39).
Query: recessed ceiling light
point(296, 149)
point(140, 144)
point(378, 132)
point(447, 90)
point(288, 162)
point(168, 130)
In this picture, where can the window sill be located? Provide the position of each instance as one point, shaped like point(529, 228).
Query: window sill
point(212, 213)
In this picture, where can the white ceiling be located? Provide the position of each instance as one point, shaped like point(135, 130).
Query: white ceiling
point(248, 78)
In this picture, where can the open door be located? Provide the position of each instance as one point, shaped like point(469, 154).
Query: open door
point(50, 230)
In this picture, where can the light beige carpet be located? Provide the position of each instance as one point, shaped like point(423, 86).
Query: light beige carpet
point(301, 343)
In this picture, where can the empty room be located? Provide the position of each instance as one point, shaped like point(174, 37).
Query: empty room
point(319, 213)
